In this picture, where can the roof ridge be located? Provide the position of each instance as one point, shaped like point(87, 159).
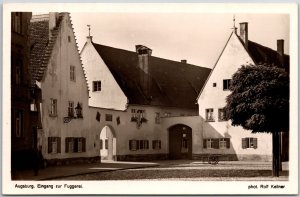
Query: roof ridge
point(188, 64)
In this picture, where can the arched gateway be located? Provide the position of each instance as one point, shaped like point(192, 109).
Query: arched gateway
point(108, 143)
point(180, 142)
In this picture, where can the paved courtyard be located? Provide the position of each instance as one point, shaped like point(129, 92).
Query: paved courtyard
point(190, 170)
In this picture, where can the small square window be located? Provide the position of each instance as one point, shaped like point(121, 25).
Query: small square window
point(96, 86)
point(108, 117)
point(214, 84)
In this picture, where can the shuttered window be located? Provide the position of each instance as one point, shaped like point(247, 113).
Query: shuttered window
point(133, 145)
point(75, 145)
point(156, 144)
point(216, 143)
point(249, 143)
point(54, 145)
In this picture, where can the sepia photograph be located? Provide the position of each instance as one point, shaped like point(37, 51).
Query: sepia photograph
point(143, 98)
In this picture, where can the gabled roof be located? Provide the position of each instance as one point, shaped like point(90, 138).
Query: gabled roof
point(262, 54)
point(172, 84)
point(41, 45)
point(258, 53)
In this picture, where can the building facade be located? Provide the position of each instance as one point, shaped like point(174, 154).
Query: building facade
point(131, 93)
point(23, 120)
point(56, 68)
point(219, 136)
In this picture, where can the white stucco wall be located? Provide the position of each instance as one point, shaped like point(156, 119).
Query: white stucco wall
point(128, 130)
point(233, 56)
point(56, 84)
point(111, 96)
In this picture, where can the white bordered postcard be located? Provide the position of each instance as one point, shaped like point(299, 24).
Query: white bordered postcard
point(150, 99)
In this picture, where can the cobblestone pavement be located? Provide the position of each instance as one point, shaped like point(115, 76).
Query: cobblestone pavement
point(191, 171)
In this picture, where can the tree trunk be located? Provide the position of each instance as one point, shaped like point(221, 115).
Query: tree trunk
point(276, 154)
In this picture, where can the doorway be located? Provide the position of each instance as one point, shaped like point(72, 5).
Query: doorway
point(108, 144)
point(180, 142)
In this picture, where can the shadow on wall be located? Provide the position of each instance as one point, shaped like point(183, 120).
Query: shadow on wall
point(215, 143)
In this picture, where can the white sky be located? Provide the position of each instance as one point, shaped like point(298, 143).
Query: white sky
point(197, 37)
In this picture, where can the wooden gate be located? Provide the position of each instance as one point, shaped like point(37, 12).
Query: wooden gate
point(180, 142)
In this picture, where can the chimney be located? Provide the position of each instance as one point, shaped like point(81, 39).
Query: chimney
point(53, 20)
point(244, 33)
point(183, 61)
point(143, 63)
point(280, 51)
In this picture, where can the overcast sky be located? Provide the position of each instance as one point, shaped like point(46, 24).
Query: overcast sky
point(198, 38)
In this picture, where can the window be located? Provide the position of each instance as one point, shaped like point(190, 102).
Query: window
point(133, 113)
point(133, 145)
point(53, 107)
point(118, 120)
point(222, 143)
point(101, 144)
point(79, 145)
point(17, 22)
point(19, 123)
point(71, 109)
point(167, 114)
point(249, 143)
point(69, 38)
point(209, 114)
point(106, 143)
point(157, 117)
point(156, 144)
point(96, 86)
point(222, 115)
point(144, 144)
point(108, 117)
point(137, 114)
point(214, 84)
point(69, 144)
point(226, 84)
point(54, 145)
point(72, 73)
point(18, 74)
point(209, 144)
point(216, 143)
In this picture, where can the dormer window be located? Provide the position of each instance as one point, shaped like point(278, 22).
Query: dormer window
point(96, 86)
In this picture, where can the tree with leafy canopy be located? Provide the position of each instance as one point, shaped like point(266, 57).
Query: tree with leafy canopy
point(259, 101)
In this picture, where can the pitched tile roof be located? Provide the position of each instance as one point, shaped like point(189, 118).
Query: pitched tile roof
point(262, 54)
point(41, 45)
point(172, 84)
